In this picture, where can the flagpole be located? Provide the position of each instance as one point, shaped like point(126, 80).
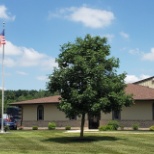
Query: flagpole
point(2, 117)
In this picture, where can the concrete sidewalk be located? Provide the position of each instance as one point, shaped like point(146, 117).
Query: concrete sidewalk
point(78, 131)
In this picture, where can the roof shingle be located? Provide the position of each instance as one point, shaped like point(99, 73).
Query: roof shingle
point(139, 93)
point(50, 99)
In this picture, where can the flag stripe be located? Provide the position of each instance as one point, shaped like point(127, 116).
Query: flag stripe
point(2, 38)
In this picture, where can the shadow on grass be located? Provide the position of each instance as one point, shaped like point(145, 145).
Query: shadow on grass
point(80, 140)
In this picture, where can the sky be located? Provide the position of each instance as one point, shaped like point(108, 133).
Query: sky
point(35, 30)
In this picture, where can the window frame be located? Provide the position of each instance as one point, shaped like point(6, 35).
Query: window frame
point(40, 112)
point(116, 115)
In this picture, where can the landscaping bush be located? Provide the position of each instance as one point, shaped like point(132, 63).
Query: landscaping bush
point(68, 128)
point(113, 124)
point(6, 128)
point(110, 127)
point(35, 127)
point(106, 127)
point(151, 128)
point(51, 125)
point(135, 126)
point(103, 128)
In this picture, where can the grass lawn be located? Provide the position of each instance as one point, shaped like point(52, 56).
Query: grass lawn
point(58, 142)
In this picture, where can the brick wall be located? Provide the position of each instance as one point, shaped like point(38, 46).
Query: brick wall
point(129, 123)
point(142, 123)
point(72, 123)
point(76, 123)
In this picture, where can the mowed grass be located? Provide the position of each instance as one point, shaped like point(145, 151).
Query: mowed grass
point(58, 142)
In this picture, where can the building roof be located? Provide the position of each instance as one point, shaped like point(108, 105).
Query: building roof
point(152, 77)
point(50, 99)
point(140, 92)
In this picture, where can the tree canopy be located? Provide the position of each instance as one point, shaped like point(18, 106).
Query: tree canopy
point(87, 79)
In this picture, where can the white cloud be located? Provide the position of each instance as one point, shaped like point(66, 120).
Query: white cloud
point(124, 35)
point(30, 57)
point(149, 56)
point(143, 76)
point(43, 78)
point(49, 63)
point(26, 57)
point(134, 78)
point(109, 37)
point(4, 14)
point(93, 18)
point(9, 62)
point(136, 51)
point(11, 49)
point(131, 78)
point(22, 73)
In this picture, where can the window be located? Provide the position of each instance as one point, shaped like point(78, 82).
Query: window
point(40, 112)
point(73, 117)
point(116, 115)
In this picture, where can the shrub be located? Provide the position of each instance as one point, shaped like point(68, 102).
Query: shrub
point(151, 128)
point(135, 126)
point(6, 128)
point(68, 128)
point(114, 124)
point(51, 125)
point(35, 127)
point(103, 128)
point(106, 127)
point(110, 127)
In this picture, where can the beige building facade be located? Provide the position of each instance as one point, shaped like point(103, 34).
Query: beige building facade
point(49, 113)
point(44, 110)
point(148, 82)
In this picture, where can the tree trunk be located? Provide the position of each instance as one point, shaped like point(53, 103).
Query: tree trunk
point(82, 124)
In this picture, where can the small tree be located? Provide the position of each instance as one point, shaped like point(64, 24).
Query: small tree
point(87, 79)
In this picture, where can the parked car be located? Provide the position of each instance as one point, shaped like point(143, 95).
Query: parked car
point(11, 124)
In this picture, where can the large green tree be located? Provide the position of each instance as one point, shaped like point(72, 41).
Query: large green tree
point(87, 79)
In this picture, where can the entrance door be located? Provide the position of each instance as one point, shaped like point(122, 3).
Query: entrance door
point(94, 121)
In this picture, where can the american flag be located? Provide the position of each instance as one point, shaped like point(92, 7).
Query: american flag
point(2, 38)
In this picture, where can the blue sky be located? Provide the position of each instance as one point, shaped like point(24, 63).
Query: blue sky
point(35, 29)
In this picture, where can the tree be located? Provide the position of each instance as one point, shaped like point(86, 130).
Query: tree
point(87, 79)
